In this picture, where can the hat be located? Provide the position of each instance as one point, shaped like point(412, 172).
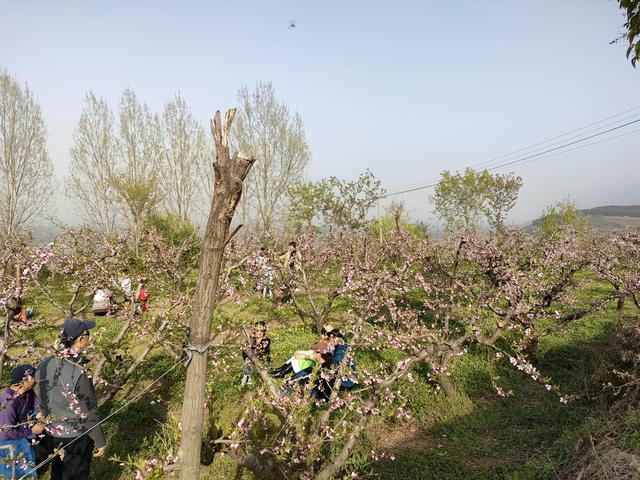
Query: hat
point(326, 329)
point(75, 328)
point(21, 372)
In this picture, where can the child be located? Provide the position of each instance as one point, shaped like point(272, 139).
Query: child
point(125, 285)
point(18, 405)
point(142, 296)
point(261, 348)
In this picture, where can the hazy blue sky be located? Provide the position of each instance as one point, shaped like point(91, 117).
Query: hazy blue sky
point(405, 88)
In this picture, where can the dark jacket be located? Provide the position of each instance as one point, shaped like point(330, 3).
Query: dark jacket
point(261, 348)
point(67, 395)
point(16, 409)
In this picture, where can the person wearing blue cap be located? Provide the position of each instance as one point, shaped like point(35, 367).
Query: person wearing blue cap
point(68, 398)
point(19, 406)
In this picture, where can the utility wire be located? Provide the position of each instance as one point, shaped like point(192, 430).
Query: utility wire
point(594, 130)
point(527, 157)
point(513, 162)
point(542, 143)
point(582, 146)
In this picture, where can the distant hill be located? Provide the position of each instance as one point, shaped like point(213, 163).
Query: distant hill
point(613, 211)
point(609, 218)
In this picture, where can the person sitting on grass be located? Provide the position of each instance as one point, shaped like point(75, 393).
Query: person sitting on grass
point(326, 380)
point(300, 365)
point(18, 427)
point(260, 347)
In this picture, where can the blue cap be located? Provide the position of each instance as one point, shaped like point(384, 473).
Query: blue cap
point(75, 328)
point(21, 372)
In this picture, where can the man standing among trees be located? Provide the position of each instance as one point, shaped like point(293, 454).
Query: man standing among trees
point(68, 397)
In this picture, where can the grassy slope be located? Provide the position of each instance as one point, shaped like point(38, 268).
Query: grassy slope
point(475, 435)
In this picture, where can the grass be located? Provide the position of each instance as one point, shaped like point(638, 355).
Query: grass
point(528, 435)
point(473, 435)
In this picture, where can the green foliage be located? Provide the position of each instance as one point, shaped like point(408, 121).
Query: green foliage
point(394, 220)
point(501, 194)
point(632, 26)
point(176, 233)
point(419, 228)
point(387, 224)
point(342, 204)
point(351, 201)
point(562, 215)
point(139, 196)
point(460, 199)
point(307, 202)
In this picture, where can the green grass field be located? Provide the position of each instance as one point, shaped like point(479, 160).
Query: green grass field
point(475, 434)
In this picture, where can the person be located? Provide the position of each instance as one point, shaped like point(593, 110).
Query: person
point(300, 366)
point(14, 306)
point(267, 275)
point(292, 258)
point(17, 425)
point(304, 360)
point(142, 296)
point(101, 302)
point(126, 285)
point(260, 347)
point(324, 383)
point(67, 396)
point(324, 345)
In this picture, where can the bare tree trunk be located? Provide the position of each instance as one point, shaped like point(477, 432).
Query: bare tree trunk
point(7, 322)
point(230, 172)
point(5, 342)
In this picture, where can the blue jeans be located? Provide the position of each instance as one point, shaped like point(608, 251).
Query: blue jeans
point(11, 468)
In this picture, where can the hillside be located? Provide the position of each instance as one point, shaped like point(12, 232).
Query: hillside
point(613, 211)
point(609, 218)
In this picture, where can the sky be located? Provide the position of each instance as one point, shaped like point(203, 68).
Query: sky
point(406, 88)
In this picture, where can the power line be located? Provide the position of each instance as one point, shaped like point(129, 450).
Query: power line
point(513, 162)
point(543, 142)
point(584, 146)
point(570, 138)
point(532, 156)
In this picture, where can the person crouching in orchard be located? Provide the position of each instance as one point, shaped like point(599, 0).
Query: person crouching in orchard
point(102, 302)
point(260, 347)
point(68, 398)
point(17, 425)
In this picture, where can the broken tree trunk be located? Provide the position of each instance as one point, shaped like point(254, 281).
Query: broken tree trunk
point(230, 172)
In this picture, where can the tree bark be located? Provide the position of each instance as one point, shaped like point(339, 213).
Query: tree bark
point(230, 172)
point(5, 342)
